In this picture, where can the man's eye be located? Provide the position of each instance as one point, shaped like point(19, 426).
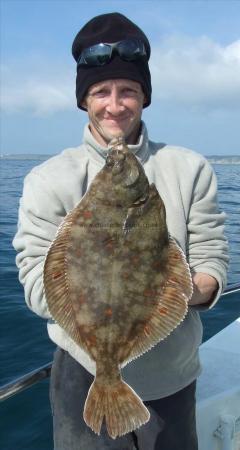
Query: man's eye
point(129, 91)
point(100, 93)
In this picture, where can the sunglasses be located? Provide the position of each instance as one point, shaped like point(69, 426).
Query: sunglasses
point(101, 54)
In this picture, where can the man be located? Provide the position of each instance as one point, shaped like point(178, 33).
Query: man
point(113, 85)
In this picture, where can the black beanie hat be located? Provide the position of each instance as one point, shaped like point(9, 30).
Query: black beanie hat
point(110, 28)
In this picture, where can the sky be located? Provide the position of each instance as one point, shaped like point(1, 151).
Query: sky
point(195, 68)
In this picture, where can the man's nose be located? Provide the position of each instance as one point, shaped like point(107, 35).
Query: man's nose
point(115, 104)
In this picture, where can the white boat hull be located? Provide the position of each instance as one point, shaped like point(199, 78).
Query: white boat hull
point(218, 391)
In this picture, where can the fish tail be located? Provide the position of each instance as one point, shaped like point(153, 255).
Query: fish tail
point(123, 410)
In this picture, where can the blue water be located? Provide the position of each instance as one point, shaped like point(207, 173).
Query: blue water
point(25, 420)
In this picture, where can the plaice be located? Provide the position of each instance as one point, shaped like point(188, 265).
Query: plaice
point(117, 283)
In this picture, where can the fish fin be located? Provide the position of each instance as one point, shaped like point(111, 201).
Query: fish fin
point(179, 269)
point(56, 283)
point(121, 407)
point(171, 307)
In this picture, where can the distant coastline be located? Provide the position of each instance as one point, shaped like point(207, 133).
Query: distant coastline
point(23, 156)
point(221, 159)
point(213, 159)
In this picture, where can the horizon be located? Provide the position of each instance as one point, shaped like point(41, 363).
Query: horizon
point(40, 155)
point(195, 68)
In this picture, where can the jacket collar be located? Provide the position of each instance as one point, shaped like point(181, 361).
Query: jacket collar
point(99, 153)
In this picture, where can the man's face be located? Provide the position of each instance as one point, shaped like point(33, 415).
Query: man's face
point(115, 108)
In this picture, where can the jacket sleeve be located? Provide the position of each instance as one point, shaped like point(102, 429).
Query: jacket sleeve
point(207, 245)
point(40, 214)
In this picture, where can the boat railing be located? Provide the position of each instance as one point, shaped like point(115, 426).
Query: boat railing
point(18, 385)
point(231, 288)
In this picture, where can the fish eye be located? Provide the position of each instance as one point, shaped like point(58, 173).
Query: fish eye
point(109, 161)
point(120, 155)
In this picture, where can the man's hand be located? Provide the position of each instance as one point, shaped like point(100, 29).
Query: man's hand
point(204, 286)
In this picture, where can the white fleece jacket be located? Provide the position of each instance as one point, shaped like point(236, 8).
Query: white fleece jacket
point(188, 188)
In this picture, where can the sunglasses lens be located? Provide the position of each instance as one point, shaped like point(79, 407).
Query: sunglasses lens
point(131, 50)
point(97, 55)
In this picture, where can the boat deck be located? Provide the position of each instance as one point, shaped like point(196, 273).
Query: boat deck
point(218, 391)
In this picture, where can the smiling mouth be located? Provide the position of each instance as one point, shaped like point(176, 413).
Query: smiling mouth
point(117, 119)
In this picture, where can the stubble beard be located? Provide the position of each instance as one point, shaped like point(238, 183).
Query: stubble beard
point(107, 135)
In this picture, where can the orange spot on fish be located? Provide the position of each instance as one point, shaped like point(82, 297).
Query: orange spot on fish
point(91, 339)
point(149, 293)
point(109, 245)
point(135, 259)
point(87, 214)
point(156, 265)
point(108, 312)
point(125, 275)
point(163, 310)
point(56, 275)
point(78, 253)
point(81, 299)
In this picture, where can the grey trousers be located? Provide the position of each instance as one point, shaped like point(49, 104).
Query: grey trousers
point(172, 425)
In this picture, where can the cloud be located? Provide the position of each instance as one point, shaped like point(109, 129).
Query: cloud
point(197, 72)
point(192, 72)
point(45, 91)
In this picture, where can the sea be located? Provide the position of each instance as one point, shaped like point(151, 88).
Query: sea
point(25, 420)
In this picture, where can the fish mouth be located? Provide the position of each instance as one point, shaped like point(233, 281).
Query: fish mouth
point(117, 153)
point(115, 167)
point(118, 160)
point(115, 160)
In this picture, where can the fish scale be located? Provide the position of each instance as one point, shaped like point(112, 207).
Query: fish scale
point(117, 283)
